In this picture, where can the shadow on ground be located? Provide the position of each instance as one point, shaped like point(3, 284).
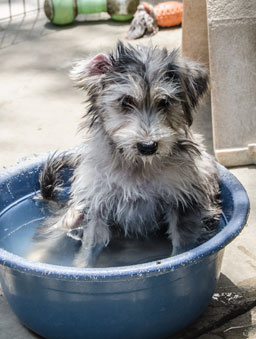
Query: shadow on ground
point(227, 316)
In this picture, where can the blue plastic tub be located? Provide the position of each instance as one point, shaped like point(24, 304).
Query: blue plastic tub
point(150, 300)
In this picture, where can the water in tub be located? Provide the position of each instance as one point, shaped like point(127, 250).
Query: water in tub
point(19, 222)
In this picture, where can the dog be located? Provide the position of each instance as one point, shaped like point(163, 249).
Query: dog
point(140, 166)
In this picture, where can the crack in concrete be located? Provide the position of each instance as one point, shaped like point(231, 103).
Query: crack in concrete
point(237, 311)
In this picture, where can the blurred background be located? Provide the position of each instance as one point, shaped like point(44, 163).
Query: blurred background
point(39, 108)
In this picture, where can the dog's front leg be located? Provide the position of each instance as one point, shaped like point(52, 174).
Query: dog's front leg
point(185, 225)
point(96, 236)
point(180, 241)
point(173, 232)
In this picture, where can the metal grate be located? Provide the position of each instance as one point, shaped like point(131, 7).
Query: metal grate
point(20, 21)
point(10, 9)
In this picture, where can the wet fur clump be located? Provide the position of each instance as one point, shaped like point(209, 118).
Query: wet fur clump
point(140, 166)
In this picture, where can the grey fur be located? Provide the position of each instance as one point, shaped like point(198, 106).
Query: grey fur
point(137, 94)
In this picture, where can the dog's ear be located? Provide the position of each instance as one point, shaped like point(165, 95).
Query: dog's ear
point(86, 70)
point(194, 82)
point(191, 79)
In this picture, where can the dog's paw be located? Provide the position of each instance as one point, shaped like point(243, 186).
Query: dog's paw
point(37, 255)
point(176, 250)
point(87, 257)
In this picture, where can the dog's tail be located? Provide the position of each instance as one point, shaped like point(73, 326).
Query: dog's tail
point(51, 178)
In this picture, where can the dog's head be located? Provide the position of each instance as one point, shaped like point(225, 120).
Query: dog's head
point(143, 98)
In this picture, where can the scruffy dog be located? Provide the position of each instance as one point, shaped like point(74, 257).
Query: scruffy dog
point(140, 166)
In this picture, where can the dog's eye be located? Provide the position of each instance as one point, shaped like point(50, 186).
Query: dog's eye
point(127, 101)
point(164, 103)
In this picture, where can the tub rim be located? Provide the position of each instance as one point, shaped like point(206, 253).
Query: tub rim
point(241, 207)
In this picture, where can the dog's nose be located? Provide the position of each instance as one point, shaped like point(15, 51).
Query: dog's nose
point(147, 147)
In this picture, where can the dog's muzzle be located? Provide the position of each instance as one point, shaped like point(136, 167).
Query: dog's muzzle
point(147, 147)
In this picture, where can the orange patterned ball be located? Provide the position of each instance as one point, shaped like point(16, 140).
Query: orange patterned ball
point(168, 13)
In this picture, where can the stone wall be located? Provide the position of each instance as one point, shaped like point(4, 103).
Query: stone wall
point(231, 42)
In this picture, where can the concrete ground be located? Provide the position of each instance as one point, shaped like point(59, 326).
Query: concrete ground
point(40, 111)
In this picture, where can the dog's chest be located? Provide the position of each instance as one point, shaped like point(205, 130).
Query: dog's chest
point(138, 204)
point(139, 217)
point(138, 208)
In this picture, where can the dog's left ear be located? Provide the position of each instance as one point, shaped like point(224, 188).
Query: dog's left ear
point(194, 81)
point(90, 71)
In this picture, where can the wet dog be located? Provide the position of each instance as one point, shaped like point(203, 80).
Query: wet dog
point(140, 165)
